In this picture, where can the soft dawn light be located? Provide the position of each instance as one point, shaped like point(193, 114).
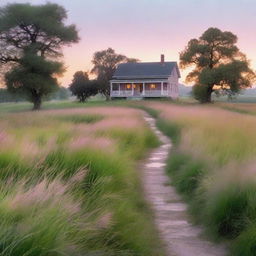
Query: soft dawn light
point(144, 29)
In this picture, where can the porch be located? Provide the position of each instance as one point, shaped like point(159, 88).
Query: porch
point(125, 89)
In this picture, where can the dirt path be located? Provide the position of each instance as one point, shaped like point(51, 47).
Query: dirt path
point(180, 237)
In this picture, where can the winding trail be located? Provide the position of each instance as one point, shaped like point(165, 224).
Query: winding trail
point(180, 237)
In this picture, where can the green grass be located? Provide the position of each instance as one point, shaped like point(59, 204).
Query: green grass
point(243, 108)
point(172, 130)
point(186, 173)
point(153, 112)
point(237, 110)
point(211, 165)
point(69, 183)
point(25, 106)
point(245, 244)
point(132, 144)
point(76, 119)
point(226, 211)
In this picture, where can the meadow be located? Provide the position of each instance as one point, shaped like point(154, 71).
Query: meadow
point(70, 182)
point(69, 175)
point(212, 164)
point(246, 108)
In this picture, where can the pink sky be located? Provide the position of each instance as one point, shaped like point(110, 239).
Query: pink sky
point(144, 29)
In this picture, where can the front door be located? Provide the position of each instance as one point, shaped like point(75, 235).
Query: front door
point(138, 88)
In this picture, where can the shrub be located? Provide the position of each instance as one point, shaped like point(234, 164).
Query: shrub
point(226, 211)
point(176, 161)
point(189, 178)
point(186, 173)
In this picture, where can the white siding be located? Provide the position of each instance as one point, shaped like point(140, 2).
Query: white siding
point(174, 84)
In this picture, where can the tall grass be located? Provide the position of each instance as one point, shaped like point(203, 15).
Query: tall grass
point(213, 166)
point(69, 183)
point(244, 108)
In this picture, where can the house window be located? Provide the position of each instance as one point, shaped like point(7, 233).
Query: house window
point(152, 86)
point(115, 87)
point(165, 85)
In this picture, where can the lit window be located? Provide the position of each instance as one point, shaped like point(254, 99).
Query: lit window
point(134, 85)
point(128, 86)
point(152, 86)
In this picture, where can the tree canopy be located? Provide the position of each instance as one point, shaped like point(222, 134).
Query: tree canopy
point(82, 87)
point(218, 64)
point(34, 78)
point(104, 65)
point(31, 37)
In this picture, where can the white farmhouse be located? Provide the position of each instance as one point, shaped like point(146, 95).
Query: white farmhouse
point(146, 80)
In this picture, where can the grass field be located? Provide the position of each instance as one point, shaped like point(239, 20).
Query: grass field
point(70, 183)
point(244, 108)
point(78, 162)
point(212, 165)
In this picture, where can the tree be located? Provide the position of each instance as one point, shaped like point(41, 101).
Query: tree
point(34, 78)
point(218, 64)
point(31, 37)
point(82, 87)
point(105, 63)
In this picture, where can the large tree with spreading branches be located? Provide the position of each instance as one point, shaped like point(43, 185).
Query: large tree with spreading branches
point(218, 64)
point(31, 41)
point(104, 65)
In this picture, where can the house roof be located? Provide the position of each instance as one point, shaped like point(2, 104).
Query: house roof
point(145, 70)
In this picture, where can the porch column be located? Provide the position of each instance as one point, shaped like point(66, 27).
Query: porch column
point(162, 87)
point(143, 92)
point(119, 89)
point(132, 90)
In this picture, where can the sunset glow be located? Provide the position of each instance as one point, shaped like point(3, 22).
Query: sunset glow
point(144, 29)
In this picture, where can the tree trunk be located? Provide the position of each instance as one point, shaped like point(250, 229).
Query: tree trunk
point(107, 95)
point(37, 101)
point(82, 99)
point(209, 94)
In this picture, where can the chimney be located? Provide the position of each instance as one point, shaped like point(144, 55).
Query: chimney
point(162, 59)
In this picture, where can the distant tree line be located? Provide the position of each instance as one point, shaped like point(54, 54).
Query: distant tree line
point(61, 93)
point(6, 96)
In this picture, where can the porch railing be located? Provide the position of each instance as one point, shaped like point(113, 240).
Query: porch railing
point(121, 93)
point(149, 93)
